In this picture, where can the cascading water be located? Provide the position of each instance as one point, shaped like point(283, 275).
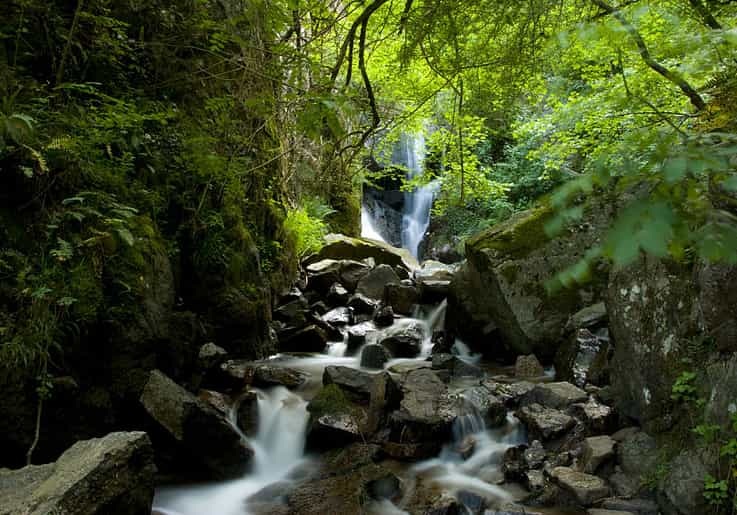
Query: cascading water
point(278, 449)
point(368, 230)
point(417, 203)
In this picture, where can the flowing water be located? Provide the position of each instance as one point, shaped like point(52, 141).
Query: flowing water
point(279, 443)
point(417, 203)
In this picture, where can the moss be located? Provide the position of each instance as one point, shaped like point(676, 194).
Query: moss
point(515, 238)
point(330, 400)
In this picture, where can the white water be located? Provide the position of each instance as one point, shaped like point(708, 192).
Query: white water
point(417, 203)
point(278, 449)
point(368, 230)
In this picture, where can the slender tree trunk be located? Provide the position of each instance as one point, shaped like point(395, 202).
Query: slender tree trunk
point(68, 46)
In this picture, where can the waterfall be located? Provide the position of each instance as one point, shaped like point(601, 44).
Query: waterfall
point(417, 203)
point(278, 449)
point(368, 230)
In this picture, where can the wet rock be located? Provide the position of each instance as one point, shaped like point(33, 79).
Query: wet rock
point(599, 511)
point(435, 271)
point(322, 274)
point(576, 357)
point(534, 456)
point(310, 339)
point(374, 356)
point(337, 295)
point(358, 335)
point(404, 340)
point(293, 314)
point(234, 375)
point(338, 246)
point(351, 272)
point(338, 316)
point(446, 505)
point(490, 407)
point(595, 451)
point(528, 366)
point(500, 287)
point(362, 304)
point(356, 384)
point(635, 506)
point(373, 283)
point(510, 393)
point(384, 316)
point(265, 376)
point(109, 475)
point(534, 481)
point(247, 413)
point(195, 427)
point(333, 430)
point(513, 465)
point(624, 485)
point(290, 295)
point(585, 488)
point(434, 291)
point(426, 412)
point(210, 355)
point(555, 395)
point(217, 400)
point(597, 417)
point(410, 451)
point(385, 398)
point(544, 423)
point(401, 297)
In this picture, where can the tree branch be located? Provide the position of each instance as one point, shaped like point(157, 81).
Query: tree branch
point(672, 76)
point(705, 14)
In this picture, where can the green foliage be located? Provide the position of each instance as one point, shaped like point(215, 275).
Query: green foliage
point(684, 390)
point(307, 226)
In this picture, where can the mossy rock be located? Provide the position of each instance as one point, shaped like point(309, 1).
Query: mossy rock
point(339, 246)
point(499, 302)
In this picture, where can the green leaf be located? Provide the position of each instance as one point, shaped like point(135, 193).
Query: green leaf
point(126, 236)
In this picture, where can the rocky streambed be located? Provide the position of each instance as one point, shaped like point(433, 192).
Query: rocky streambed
point(374, 405)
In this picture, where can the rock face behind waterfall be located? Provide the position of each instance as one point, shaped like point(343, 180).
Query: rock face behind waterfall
point(113, 475)
point(499, 295)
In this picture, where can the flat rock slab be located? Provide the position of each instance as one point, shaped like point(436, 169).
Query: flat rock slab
point(544, 423)
point(585, 488)
point(355, 383)
point(555, 395)
point(113, 474)
point(634, 506)
point(598, 511)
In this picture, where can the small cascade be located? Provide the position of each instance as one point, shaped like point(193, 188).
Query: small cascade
point(471, 463)
point(278, 449)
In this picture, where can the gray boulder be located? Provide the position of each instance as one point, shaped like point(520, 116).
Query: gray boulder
point(595, 451)
point(501, 288)
point(555, 395)
point(356, 384)
point(577, 356)
point(112, 475)
point(340, 247)
point(338, 316)
point(401, 297)
point(528, 366)
point(404, 340)
point(544, 423)
point(310, 339)
point(585, 488)
point(426, 413)
point(195, 427)
point(372, 284)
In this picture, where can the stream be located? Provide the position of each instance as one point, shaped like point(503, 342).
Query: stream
point(279, 443)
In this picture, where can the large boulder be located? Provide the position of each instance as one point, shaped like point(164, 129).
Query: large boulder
point(427, 411)
point(195, 427)
point(401, 297)
point(373, 283)
point(340, 247)
point(499, 295)
point(544, 423)
point(356, 384)
point(585, 488)
point(113, 475)
point(660, 313)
